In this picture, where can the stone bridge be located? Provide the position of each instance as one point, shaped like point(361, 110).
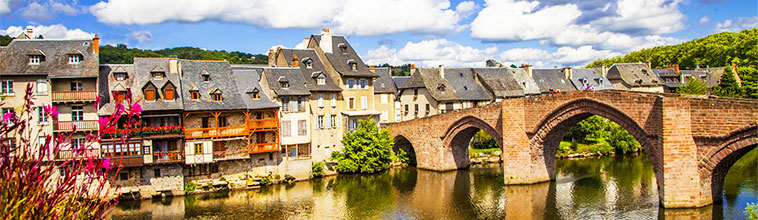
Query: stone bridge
point(692, 141)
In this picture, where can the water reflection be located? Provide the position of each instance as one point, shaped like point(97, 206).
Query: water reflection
point(620, 187)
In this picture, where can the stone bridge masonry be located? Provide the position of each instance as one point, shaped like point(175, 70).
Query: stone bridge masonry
point(691, 141)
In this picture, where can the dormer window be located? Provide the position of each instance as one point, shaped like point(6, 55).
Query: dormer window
point(195, 95)
point(217, 97)
point(35, 59)
point(206, 76)
point(150, 95)
point(460, 74)
point(120, 76)
point(321, 79)
point(343, 48)
point(441, 87)
point(119, 96)
point(255, 94)
point(169, 92)
point(74, 58)
point(284, 85)
point(526, 86)
point(308, 62)
point(158, 75)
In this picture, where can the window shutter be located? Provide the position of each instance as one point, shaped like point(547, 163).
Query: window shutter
point(328, 121)
point(364, 102)
point(334, 100)
point(315, 122)
point(320, 100)
point(339, 122)
point(169, 94)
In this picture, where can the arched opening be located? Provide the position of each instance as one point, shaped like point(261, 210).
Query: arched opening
point(460, 137)
point(404, 149)
point(588, 127)
point(733, 169)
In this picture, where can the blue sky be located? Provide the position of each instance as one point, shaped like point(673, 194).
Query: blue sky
point(427, 33)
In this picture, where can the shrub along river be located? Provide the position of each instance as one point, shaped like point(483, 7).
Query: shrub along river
point(611, 187)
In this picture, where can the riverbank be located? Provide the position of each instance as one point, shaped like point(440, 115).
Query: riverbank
point(592, 148)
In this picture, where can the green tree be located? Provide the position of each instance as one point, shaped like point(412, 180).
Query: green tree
point(5, 40)
point(694, 86)
point(482, 140)
point(751, 211)
point(621, 140)
point(749, 78)
point(367, 149)
point(594, 127)
point(120, 54)
point(728, 86)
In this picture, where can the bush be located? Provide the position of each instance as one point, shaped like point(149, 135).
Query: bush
point(367, 150)
point(190, 186)
point(288, 178)
point(622, 141)
point(406, 158)
point(277, 177)
point(317, 169)
point(751, 211)
point(266, 180)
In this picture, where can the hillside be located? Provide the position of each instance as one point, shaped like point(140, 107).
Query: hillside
point(714, 50)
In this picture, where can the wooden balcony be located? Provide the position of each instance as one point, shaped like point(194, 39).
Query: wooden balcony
point(262, 148)
point(85, 125)
point(74, 96)
point(69, 154)
point(192, 133)
point(224, 155)
point(263, 124)
point(168, 157)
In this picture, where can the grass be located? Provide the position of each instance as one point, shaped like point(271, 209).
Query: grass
point(591, 145)
point(483, 150)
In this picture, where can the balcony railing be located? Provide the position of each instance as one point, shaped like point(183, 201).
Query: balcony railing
point(74, 96)
point(224, 155)
point(166, 157)
point(69, 154)
point(216, 132)
point(80, 125)
point(262, 148)
point(263, 124)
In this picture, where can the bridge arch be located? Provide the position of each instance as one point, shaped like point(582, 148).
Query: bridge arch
point(717, 162)
point(458, 136)
point(401, 142)
point(547, 135)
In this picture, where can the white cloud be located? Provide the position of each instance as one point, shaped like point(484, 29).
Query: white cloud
point(56, 31)
point(431, 53)
point(520, 20)
point(741, 24)
point(345, 16)
point(5, 6)
point(644, 16)
point(141, 36)
point(47, 10)
point(704, 20)
point(562, 56)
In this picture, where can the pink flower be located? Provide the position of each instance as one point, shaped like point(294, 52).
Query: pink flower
point(107, 164)
point(7, 116)
point(52, 111)
point(90, 165)
point(136, 108)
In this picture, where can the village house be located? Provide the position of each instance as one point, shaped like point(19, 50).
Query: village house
point(431, 91)
point(287, 87)
point(554, 80)
point(589, 79)
point(499, 83)
point(384, 94)
point(634, 77)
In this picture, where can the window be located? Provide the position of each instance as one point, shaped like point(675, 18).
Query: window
point(6, 87)
point(321, 122)
point(169, 94)
point(334, 100)
point(149, 96)
point(321, 79)
point(121, 95)
point(77, 85)
point(333, 120)
point(74, 58)
point(41, 87)
point(206, 78)
point(285, 104)
point(284, 85)
point(286, 129)
point(309, 64)
point(156, 173)
point(384, 98)
point(398, 117)
point(302, 128)
point(406, 109)
point(364, 102)
point(300, 104)
point(205, 122)
point(363, 84)
point(384, 116)
point(77, 113)
point(351, 103)
point(7, 110)
point(415, 94)
point(198, 148)
point(320, 100)
point(217, 97)
point(255, 95)
point(78, 143)
point(35, 59)
point(195, 95)
point(41, 115)
point(427, 109)
point(415, 111)
point(353, 67)
point(123, 176)
point(222, 122)
point(526, 86)
point(120, 76)
point(158, 75)
point(350, 84)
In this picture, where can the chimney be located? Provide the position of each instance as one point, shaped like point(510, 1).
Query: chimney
point(29, 32)
point(736, 75)
point(326, 41)
point(649, 65)
point(442, 71)
point(295, 62)
point(173, 64)
point(528, 69)
point(305, 42)
point(371, 68)
point(271, 59)
point(676, 68)
point(604, 71)
point(95, 43)
point(567, 72)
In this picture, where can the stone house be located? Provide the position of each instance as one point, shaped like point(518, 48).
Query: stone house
point(287, 87)
point(554, 80)
point(384, 94)
point(584, 78)
point(499, 83)
point(634, 77)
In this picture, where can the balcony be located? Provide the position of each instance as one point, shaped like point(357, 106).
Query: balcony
point(85, 125)
point(162, 131)
point(69, 154)
point(263, 124)
point(192, 133)
point(262, 148)
point(225, 155)
point(74, 96)
point(168, 157)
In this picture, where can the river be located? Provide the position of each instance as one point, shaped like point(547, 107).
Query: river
point(612, 187)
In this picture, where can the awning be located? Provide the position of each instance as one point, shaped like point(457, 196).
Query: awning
point(359, 113)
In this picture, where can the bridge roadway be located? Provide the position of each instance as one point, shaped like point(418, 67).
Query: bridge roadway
point(692, 141)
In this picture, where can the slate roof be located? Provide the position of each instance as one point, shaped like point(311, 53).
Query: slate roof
point(714, 76)
point(14, 58)
point(317, 68)
point(107, 83)
point(247, 82)
point(460, 84)
point(400, 81)
point(633, 74)
point(554, 79)
point(580, 76)
point(527, 83)
point(384, 83)
point(220, 80)
point(669, 77)
point(430, 79)
point(500, 82)
point(293, 76)
point(340, 60)
point(466, 84)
